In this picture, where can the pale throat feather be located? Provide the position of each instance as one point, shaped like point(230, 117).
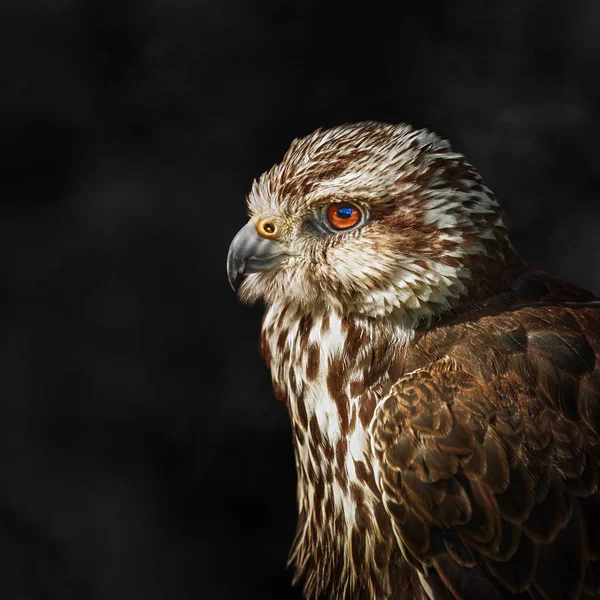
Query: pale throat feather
point(323, 364)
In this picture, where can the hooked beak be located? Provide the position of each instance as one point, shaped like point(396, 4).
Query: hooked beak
point(251, 253)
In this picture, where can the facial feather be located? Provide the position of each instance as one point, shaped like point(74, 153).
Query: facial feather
point(431, 232)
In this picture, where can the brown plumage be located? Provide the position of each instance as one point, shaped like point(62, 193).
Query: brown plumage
point(444, 397)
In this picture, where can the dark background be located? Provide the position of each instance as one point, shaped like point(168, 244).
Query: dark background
point(142, 455)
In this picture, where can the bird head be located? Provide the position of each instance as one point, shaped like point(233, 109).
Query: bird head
point(371, 219)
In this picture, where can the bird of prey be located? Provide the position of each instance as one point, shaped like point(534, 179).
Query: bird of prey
point(444, 396)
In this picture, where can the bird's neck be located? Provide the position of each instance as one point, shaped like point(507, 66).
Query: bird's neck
point(329, 369)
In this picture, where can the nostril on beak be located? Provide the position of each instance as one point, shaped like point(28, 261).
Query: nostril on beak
point(267, 228)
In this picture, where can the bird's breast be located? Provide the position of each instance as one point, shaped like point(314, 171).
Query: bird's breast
point(321, 365)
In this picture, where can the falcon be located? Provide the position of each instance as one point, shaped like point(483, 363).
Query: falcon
point(444, 396)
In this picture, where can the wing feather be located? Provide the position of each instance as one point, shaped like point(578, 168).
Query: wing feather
point(489, 465)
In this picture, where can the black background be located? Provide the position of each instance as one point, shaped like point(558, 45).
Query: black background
point(142, 455)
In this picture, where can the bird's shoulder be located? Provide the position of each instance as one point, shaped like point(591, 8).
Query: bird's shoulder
point(539, 333)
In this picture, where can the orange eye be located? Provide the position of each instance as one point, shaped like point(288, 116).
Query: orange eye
point(342, 215)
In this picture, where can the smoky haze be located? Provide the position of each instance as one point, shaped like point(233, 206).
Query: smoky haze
point(142, 454)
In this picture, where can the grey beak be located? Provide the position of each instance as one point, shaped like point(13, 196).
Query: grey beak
point(250, 253)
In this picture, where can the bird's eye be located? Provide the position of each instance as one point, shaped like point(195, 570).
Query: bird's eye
point(343, 215)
